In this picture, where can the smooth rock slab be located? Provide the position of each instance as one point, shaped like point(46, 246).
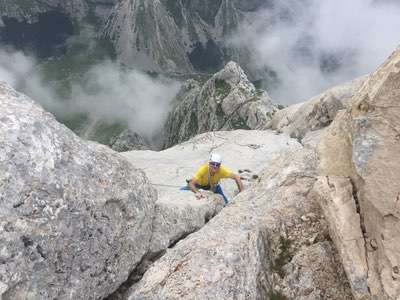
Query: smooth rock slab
point(179, 212)
point(235, 255)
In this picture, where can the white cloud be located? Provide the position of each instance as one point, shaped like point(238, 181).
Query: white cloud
point(106, 93)
point(112, 94)
point(313, 44)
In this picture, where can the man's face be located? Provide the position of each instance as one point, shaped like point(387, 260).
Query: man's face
point(214, 167)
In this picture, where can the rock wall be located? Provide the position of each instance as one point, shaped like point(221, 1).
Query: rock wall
point(75, 217)
point(359, 159)
point(177, 36)
point(146, 36)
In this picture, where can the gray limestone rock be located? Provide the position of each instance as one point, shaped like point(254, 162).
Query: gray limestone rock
point(75, 217)
point(316, 113)
point(310, 272)
point(146, 36)
point(360, 165)
point(128, 141)
point(178, 212)
point(239, 253)
point(177, 36)
point(227, 101)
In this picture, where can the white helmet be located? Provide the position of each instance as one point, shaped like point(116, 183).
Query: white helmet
point(216, 158)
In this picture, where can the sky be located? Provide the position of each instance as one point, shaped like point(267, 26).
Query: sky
point(311, 45)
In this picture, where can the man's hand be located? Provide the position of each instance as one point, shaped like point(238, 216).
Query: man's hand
point(192, 186)
point(238, 182)
point(199, 195)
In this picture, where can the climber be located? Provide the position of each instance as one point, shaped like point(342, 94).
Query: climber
point(208, 175)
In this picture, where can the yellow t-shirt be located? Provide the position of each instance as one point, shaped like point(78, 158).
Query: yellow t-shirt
point(201, 176)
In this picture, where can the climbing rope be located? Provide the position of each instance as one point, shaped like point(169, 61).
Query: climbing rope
point(166, 185)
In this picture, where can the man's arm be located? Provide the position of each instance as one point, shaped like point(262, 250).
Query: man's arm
point(192, 186)
point(238, 181)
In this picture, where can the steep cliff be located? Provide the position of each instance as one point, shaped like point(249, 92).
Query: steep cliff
point(177, 36)
point(227, 101)
point(42, 28)
point(30, 10)
point(359, 187)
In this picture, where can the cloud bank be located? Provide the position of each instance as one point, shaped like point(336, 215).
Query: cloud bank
point(308, 46)
point(105, 93)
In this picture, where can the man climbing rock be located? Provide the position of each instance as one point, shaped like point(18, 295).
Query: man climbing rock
point(208, 176)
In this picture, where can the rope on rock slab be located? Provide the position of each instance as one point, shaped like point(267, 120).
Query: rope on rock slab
point(166, 185)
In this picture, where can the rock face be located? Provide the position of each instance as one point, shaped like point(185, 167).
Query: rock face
point(29, 10)
point(75, 217)
point(227, 101)
point(254, 247)
point(316, 113)
point(128, 141)
point(359, 159)
point(178, 212)
point(176, 36)
point(48, 28)
point(145, 35)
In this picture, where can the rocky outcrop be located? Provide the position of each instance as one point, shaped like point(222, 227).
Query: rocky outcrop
point(177, 36)
point(316, 113)
point(258, 246)
point(178, 212)
point(359, 159)
point(227, 101)
point(146, 36)
point(128, 141)
point(75, 217)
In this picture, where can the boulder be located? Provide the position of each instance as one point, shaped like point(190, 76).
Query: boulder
point(316, 113)
point(359, 157)
point(75, 217)
point(227, 101)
